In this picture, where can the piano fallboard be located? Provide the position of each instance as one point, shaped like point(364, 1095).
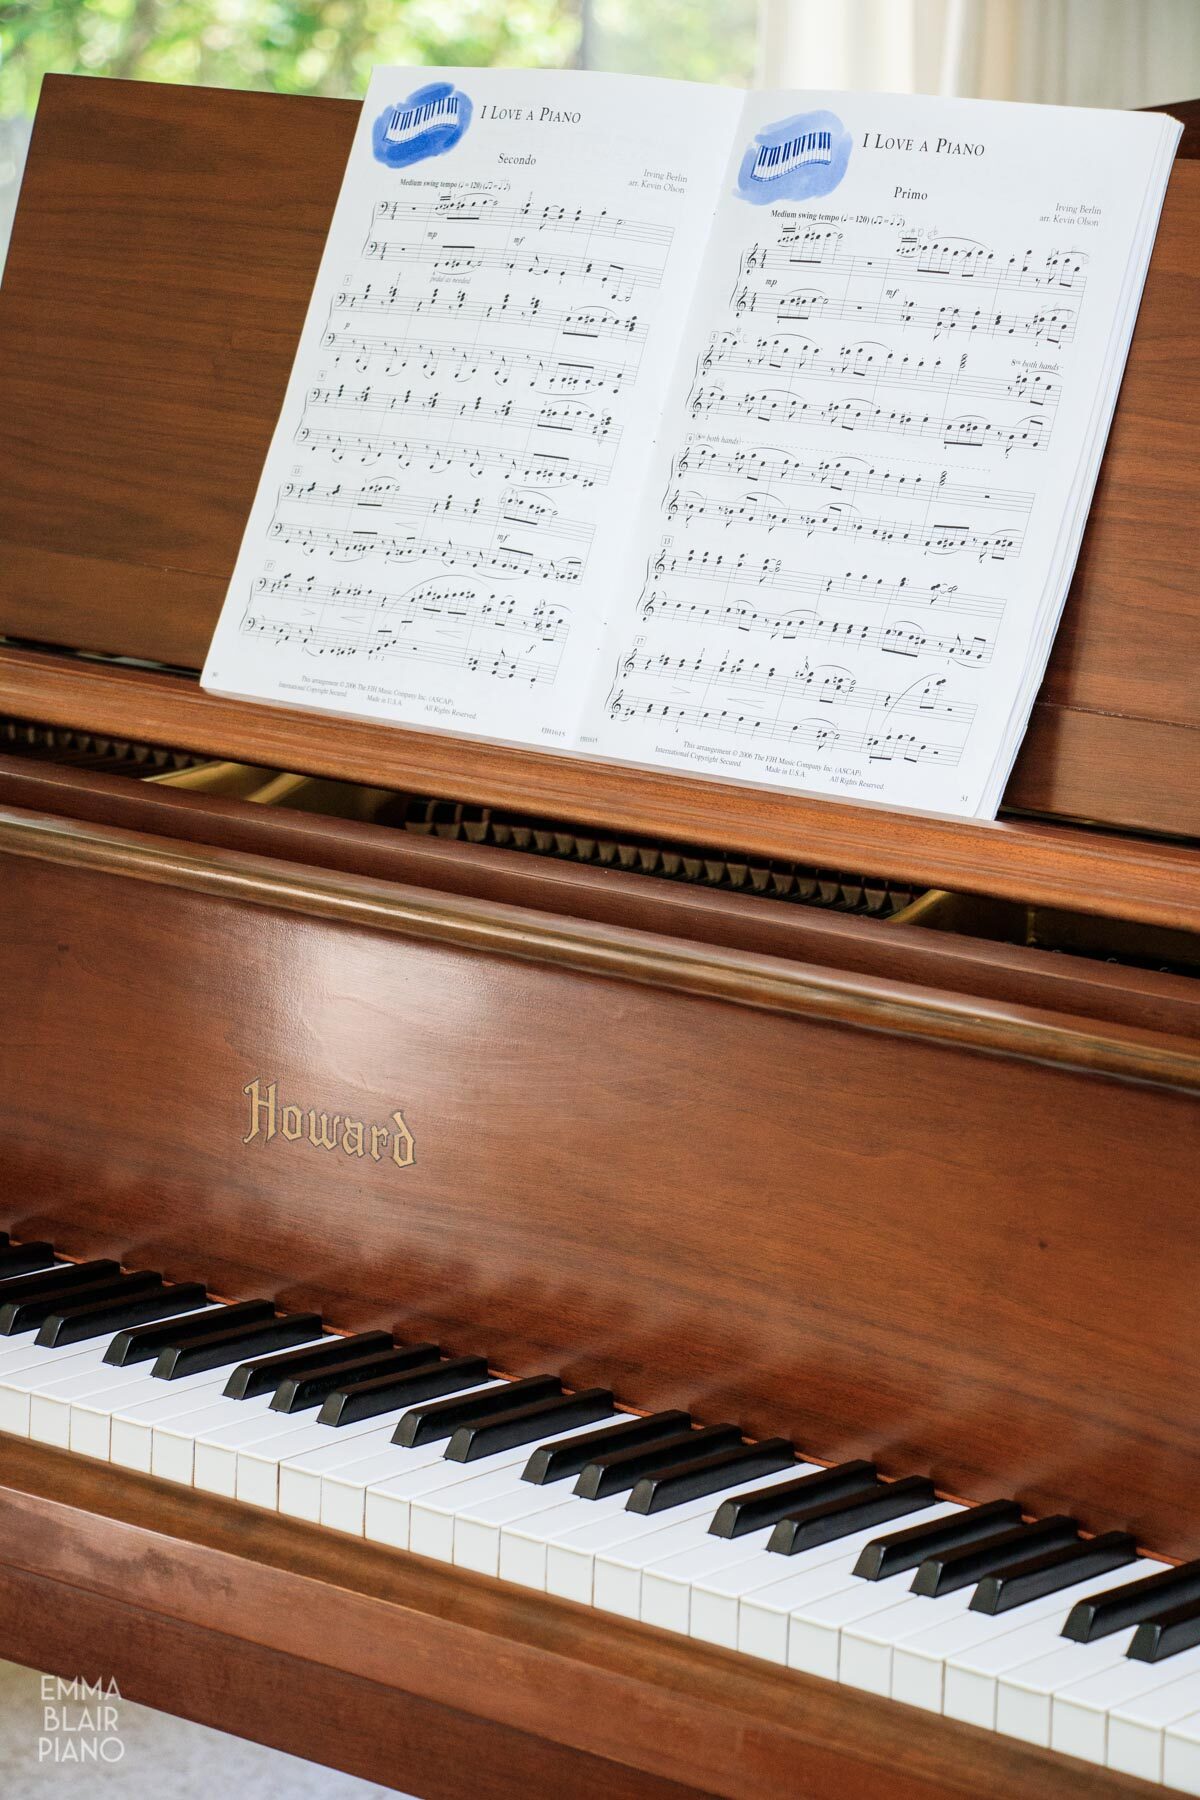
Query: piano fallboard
point(948, 1229)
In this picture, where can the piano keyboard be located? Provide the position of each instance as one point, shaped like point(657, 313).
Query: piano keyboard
point(1022, 1627)
point(774, 160)
point(408, 122)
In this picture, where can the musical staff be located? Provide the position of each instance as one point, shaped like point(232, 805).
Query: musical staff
point(1049, 324)
point(352, 546)
point(458, 607)
point(899, 637)
point(807, 735)
point(914, 482)
point(618, 280)
point(515, 506)
point(743, 569)
point(780, 407)
point(824, 684)
point(550, 468)
point(875, 364)
point(940, 537)
point(587, 322)
point(503, 363)
point(917, 257)
point(561, 415)
point(452, 208)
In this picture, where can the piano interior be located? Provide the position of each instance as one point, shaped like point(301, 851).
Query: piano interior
point(518, 1101)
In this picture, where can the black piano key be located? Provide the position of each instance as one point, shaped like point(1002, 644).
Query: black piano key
point(22, 1259)
point(263, 1374)
point(26, 1315)
point(526, 1424)
point(3, 1239)
point(442, 1418)
point(835, 1519)
point(901, 1550)
point(232, 1346)
point(310, 1387)
point(954, 1569)
point(76, 1325)
point(554, 1462)
point(141, 1342)
point(766, 1506)
point(682, 1482)
point(1167, 1633)
point(388, 1393)
point(1103, 1613)
point(60, 1279)
point(618, 1471)
point(1037, 1576)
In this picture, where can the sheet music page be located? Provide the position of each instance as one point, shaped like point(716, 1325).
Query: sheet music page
point(880, 445)
point(444, 512)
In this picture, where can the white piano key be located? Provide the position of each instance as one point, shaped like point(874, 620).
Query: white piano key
point(815, 1628)
point(1079, 1714)
point(300, 1482)
point(391, 1505)
point(624, 1575)
point(1137, 1726)
point(1181, 1755)
point(303, 1464)
point(869, 1646)
point(748, 1605)
point(479, 1530)
point(996, 1643)
point(92, 1413)
point(525, 1544)
point(1024, 1696)
point(571, 1561)
point(257, 1457)
point(51, 1404)
point(174, 1435)
point(41, 1366)
point(488, 1479)
point(335, 1494)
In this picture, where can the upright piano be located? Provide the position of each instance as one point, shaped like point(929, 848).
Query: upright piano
point(787, 1141)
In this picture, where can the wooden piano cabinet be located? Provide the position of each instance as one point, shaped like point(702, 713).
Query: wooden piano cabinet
point(957, 1236)
point(897, 1192)
point(453, 1685)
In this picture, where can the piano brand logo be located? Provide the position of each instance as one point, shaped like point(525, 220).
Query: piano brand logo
point(272, 1118)
point(797, 159)
point(430, 122)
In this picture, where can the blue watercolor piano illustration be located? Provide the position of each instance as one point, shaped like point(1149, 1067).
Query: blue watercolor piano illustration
point(799, 158)
point(430, 122)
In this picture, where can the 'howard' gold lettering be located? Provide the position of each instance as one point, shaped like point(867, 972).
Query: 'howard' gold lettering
point(270, 1118)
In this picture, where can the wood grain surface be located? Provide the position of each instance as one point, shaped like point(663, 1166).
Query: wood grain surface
point(148, 318)
point(887, 1221)
point(1124, 877)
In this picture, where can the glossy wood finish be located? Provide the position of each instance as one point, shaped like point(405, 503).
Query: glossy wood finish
point(948, 961)
point(795, 989)
point(148, 318)
point(445, 1682)
point(762, 1190)
point(1123, 877)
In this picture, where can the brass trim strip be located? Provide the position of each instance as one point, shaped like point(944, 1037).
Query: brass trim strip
point(742, 978)
point(1133, 878)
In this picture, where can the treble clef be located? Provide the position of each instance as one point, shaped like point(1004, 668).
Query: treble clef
point(615, 708)
point(660, 564)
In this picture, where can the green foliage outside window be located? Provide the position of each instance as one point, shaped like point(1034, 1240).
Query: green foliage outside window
point(330, 46)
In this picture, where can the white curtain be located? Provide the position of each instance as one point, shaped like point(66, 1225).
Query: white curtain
point(1069, 52)
point(14, 142)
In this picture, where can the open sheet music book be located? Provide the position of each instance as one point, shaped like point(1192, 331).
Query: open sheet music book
point(743, 435)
